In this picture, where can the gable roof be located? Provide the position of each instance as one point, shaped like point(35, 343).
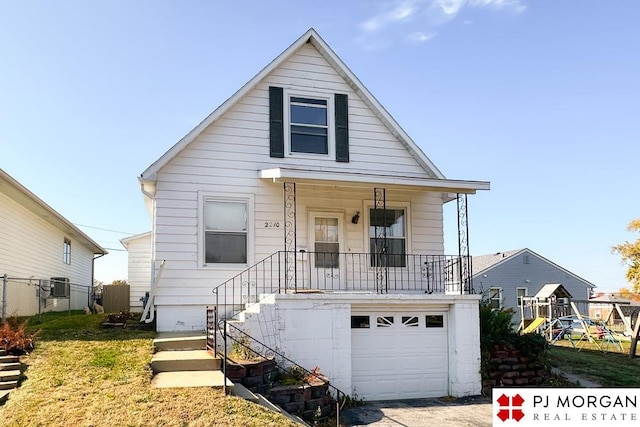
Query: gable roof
point(311, 36)
point(481, 264)
point(553, 289)
point(16, 191)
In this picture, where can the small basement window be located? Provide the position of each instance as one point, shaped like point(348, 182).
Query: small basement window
point(360, 322)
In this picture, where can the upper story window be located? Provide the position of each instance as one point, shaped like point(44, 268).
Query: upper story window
point(66, 251)
point(306, 123)
point(309, 130)
point(520, 293)
point(225, 231)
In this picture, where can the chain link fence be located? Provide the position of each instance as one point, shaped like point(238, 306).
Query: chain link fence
point(20, 296)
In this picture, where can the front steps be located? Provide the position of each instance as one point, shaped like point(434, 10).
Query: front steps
point(181, 360)
point(9, 375)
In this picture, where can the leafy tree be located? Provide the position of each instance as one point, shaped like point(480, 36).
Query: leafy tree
point(630, 253)
point(120, 282)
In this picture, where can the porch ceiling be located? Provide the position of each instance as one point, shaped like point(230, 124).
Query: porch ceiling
point(356, 179)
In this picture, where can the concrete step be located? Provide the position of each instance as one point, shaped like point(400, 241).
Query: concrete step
point(10, 366)
point(8, 385)
point(186, 360)
point(172, 341)
point(9, 359)
point(243, 392)
point(3, 352)
point(190, 379)
point(9, 376)
point(4, 395)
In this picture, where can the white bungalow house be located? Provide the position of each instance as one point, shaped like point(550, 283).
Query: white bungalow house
point(46, 262)
point(302, 199)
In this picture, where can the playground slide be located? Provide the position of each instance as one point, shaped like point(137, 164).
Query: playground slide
point(537, 322)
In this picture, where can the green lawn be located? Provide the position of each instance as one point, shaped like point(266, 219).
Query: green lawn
point(612, 368)
point(83, 375)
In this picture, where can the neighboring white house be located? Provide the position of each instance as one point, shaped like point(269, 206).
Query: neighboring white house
point(301, 194)
point(139, 269)
point(504, 277)
point(46, 260)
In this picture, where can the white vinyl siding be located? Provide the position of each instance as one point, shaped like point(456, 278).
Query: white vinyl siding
point(139, 269)
point(31, 247)
point(223, 162)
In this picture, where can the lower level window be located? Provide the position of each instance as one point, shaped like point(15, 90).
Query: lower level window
point(225, 232)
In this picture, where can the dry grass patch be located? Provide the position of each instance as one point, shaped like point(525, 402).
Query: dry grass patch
point(97, 377)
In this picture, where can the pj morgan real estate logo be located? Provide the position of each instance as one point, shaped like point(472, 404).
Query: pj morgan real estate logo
point(566, 407)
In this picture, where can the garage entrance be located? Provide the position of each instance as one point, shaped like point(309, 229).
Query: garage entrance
point(399, 354)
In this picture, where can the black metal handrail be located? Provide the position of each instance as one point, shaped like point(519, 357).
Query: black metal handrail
point(283, 363)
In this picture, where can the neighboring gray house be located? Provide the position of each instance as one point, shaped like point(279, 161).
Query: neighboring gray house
point(503, 277)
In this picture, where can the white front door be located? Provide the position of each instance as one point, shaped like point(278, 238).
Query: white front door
point(326, 269)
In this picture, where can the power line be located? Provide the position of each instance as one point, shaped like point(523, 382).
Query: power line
point(104, 229)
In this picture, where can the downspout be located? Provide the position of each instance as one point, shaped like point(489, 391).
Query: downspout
point(93, 266)
point(148, 189)
point(148, 314)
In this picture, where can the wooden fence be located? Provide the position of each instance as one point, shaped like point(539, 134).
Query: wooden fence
point(115, 298)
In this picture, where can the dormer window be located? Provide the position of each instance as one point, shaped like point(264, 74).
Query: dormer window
point(309, 130)
point(308, 124)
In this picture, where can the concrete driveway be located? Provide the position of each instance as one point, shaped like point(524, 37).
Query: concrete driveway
point(442, 412)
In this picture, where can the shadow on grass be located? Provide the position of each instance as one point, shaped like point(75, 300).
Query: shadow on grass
point(611, 369)
point(62, 326)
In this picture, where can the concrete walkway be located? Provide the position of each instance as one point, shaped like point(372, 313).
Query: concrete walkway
point(469, 411)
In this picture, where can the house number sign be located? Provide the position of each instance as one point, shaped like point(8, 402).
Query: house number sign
point(271, 224)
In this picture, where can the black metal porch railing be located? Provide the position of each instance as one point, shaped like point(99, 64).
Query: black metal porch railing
point(287, 271)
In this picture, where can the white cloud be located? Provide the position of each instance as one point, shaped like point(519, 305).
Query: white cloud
point(420, 37)
point(400, 11)
point(421, 17)
point(449, 7)
point(513, 5)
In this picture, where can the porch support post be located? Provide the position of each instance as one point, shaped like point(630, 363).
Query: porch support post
point(380, 228)
point(464, 266)
point(290, 237)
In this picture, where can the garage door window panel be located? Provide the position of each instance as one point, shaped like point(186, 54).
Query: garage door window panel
point(385, 322)
point(410, 321)
point(360, 322)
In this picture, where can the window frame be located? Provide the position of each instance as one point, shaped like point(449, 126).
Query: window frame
point(407, 227)
point(66, 251)
point(203, 198)
point(526, 294)
point(499, 298)
point(316, 95)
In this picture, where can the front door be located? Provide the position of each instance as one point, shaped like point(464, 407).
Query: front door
point(326, 264)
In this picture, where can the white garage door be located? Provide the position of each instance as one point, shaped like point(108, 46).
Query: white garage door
point(399, 355)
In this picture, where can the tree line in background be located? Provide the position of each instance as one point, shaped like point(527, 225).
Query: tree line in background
point(630, 253)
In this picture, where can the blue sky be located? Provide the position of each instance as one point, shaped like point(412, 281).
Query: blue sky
point(542, 98)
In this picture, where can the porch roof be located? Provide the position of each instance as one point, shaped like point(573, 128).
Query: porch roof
point(310, 175)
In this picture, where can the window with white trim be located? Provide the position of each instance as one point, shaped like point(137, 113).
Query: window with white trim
point(393, 223)
point(520, 292)
point(308, 125)
point(66, 251)
point(495, 298)
point(225, 231)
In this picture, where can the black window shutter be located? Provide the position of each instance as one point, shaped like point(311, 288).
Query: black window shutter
point(342, 128)
point(276, 122)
